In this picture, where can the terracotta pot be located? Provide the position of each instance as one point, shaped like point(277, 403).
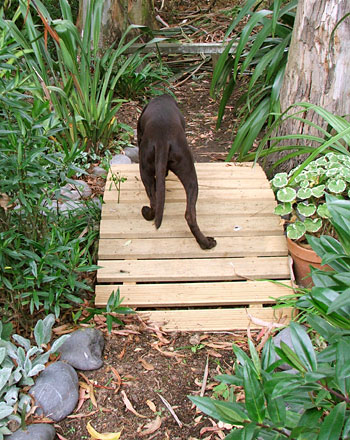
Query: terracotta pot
point(303, 258)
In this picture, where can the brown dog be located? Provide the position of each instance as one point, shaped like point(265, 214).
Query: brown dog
point(163, 147)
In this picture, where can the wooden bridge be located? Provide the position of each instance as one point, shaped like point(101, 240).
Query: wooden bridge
point(167, 277)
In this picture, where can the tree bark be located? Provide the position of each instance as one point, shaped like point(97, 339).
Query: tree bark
point(318, 67)
point(118, 15)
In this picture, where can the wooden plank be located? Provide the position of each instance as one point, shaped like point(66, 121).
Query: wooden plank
point(195, 294)
point(176, 195)
point(216, 320)
point(211, 269)
point(204, 171)
point(134, 183)
point(256, 208)
point(141, 248)
point(184, 48)
point(226, 226)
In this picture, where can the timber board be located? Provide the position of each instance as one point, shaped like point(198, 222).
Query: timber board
point(163, 272)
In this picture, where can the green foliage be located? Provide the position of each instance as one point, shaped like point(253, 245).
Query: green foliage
point(144, 77)
point(76, 78)
point(301, 193)
point(260, 51)
point(42, 253)
point(20, 361)
point(111, 311)
point(336, 138)
point(313, 403)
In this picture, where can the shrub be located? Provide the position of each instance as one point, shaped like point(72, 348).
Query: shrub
point(314, 402)
point(20, 361)
point(261, 54)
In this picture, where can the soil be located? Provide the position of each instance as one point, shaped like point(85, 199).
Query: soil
point(143, 365)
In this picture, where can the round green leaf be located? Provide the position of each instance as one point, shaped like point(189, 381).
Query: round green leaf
point(283, 209)
point(304, 193)
point(331, 172)
point(318, 191)
point(336, 185)
point(286, 194)
point(332, 157)
point(280, 180)
point(306, 209)
point(345, 173)
point(304, 183)
point(313, 225)
point(322, 211)
point(321, 161)
point(296, 230)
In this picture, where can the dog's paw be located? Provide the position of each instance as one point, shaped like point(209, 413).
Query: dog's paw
point(147, 213)
point(209, 243)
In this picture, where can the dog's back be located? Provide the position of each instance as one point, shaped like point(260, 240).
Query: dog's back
point(162, 147)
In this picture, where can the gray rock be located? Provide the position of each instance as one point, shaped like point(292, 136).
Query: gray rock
point(80, 189)
point(40, 431)
point(98, 202)
point(99, 171)
point(83, 350)
point(132, 153)
point(70, 194)
point(120, 159)
point(56, 391)
point(69, 205)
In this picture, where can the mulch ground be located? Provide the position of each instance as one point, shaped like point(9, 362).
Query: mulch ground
point(142, 390)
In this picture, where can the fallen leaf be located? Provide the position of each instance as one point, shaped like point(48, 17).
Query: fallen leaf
point(151, 405)
point(146, 365)
point(102, 436)
point(151, 427)
point(61, 436)
point(128, 405)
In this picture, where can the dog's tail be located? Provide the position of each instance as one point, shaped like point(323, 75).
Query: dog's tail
point(161, 161)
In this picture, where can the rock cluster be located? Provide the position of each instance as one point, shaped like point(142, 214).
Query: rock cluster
point(56, 390)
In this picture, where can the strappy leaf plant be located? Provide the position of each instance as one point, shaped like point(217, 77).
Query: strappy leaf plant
point(76, 78)
point(260, 53)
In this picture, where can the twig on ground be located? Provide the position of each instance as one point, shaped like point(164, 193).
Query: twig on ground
point(172, 412)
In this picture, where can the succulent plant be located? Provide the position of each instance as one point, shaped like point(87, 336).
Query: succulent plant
point(19, 363)
point(301, 194)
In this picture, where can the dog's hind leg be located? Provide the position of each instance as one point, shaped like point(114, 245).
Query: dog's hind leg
point(191, 189)
point(149, 181)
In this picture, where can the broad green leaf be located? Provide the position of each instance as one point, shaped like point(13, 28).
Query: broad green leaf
point(342, 368)
point(296, 230)
point(5, 410)
point(336, 186)
point(322, 211)
point(313, 225)
point(333, 423)
point(306, 209)
point(341, 301)
point(286, 194)
point(280, 180)
point(254, 396)
point(304, 193)
point(318, 191)
point(283, 209)
point(277, 410)
point(228, 412)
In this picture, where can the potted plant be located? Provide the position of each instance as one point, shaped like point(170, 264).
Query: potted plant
point(301, 203)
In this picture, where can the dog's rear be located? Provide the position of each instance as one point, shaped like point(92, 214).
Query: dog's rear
point(162, 147)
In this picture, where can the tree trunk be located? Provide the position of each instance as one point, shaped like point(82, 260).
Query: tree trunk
point(118, 15)
point(318, 67)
